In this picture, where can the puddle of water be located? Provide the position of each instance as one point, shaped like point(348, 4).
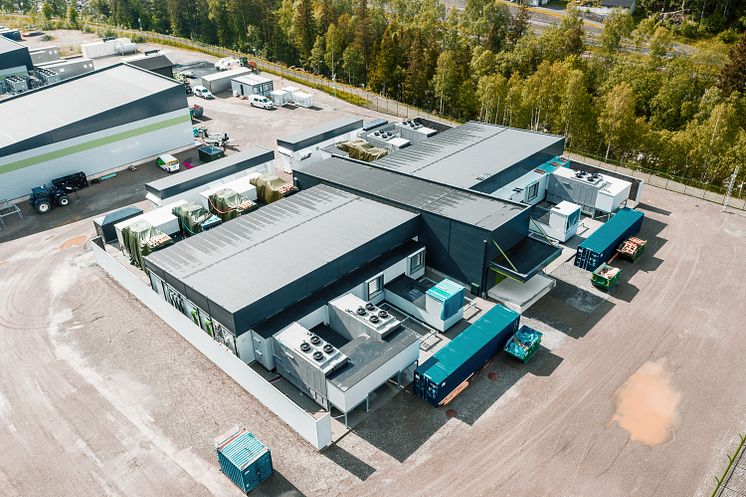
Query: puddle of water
point(646, 405)
point(73, 242)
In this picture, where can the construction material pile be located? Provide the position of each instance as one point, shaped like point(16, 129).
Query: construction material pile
point(632, 248)
point(605, 276)
point(227, 204)
point(142, 238)
point(270, 188)
point(524, 344)
point(362, 150)
point(193, 218)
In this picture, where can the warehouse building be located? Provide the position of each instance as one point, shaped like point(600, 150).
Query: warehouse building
point(94, 123)
point(477, 156)
point(42, 55)
point(69, 68)
point(284, 287)
point(15, 59)
point(470, 236)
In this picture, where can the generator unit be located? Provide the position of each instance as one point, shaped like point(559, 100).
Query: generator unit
point(594, 192)
point(304, 359)
point(559, 223)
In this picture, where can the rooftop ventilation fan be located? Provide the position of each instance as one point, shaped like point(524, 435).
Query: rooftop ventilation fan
point(315, 339)
point(361, 311)
point(318, 356)
point(305, 347)
point(370, 306)
point(374, 319)
point(328, 349)
point(383, 314)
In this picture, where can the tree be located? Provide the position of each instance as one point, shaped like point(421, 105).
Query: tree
point(47, 11)
point(353, 64)
point(303, 30)
point(317, 54)
point(577, 112)
point(519, 23)
point(661, 42)
point(618, 25)
point(72, 16)
point(362, 39)
point(733, 75)
point(617, 119)
point(333, 52)
point(492, 92)
point(385, 73)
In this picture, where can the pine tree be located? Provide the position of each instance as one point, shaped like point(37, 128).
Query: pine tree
point(733, 75)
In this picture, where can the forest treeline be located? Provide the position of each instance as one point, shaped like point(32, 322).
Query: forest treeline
point(634, 95)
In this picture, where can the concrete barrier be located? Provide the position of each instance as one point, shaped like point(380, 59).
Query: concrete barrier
point(316, 430)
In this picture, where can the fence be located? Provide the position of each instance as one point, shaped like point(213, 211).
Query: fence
point(316, 430)
point(686, 186)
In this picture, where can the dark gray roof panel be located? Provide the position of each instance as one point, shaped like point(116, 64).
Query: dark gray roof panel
point(202, 175)
point(257, 264)
point(408, 191)
point(320, 133)
point(95, 101)
point(466, 155)
point(151, 62)
point(13, 54)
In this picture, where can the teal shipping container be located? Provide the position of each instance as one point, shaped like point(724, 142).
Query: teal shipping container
point(244, 459)
point(440, 375)
point(602, 244)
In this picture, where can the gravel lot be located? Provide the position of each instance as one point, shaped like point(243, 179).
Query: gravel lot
point(99, 397)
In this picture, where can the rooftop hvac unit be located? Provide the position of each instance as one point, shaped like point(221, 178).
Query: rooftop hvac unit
point(16, 84)
point(359, 317)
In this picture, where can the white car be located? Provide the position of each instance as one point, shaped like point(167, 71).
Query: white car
point(203, 92)
point(261, 101)
point(226, 63)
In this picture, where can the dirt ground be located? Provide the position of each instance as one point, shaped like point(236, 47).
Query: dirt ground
point(100, 397)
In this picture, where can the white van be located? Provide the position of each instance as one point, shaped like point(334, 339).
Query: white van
point(261, 101)
point(168, 163)
point(203, 92)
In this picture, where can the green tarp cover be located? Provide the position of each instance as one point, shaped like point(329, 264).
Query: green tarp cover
point(191, 216)
point(136, 238)
point(362, 150)
point(227, 204)
point(270, 188)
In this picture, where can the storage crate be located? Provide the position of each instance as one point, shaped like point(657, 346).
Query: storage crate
point(244, 459)
point(631, 249)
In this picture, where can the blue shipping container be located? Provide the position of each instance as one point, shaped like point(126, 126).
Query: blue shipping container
point(601, 245)
point(244, 459)
point(464, 355)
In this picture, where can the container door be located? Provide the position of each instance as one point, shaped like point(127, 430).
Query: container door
point(264, 467)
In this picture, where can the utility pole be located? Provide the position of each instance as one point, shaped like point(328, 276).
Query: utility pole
point(731, 183)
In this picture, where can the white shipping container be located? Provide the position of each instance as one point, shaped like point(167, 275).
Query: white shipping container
point(280, 97)
point(303, 99)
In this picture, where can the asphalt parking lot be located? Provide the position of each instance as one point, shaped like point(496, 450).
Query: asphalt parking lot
point(100, 397)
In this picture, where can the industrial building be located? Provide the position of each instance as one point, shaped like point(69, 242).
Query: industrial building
point(15, 59)
point(307, 147)
point(470, 236)
point(128, 114)
point(266, 283)
point(252, 84)
point(68, 68)
point(189, 185)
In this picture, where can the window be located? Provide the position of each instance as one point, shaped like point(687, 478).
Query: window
point(375, 287)
point(533, 191)
point(417, 262)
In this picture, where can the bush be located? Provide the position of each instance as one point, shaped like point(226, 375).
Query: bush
point(47, 38)
point(729, 36)
point(86, 29)
point(137, 39)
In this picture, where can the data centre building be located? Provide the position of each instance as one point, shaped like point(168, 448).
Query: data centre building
point(93, 123)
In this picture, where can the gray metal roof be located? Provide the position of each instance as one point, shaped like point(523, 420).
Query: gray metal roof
point(151, 62)
point(466, 155)
point(320, 133)
point(472, 208)
point(7, 45)
point(259, 253)
point(76, 99)
point(201, 175)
